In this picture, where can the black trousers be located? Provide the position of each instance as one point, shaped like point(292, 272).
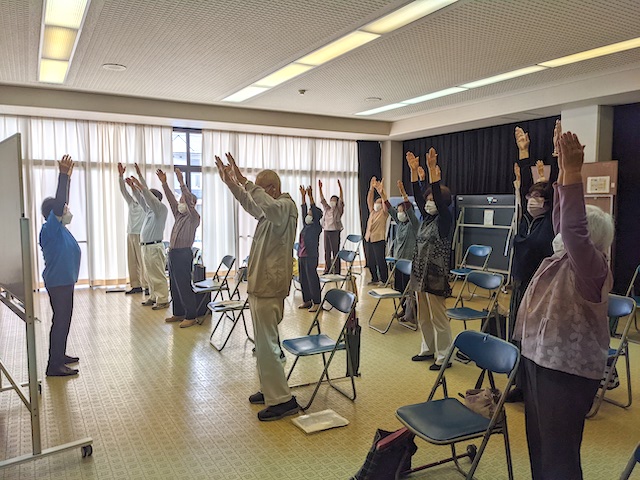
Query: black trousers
point(376, 261)
point(331, 249)
point(182, 296)
point(309, 280)
point(61, 299)
point(400, 282)
point(555, 405)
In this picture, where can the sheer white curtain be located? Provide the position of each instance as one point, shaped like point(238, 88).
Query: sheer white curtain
point(99, 221)
point(228, 229)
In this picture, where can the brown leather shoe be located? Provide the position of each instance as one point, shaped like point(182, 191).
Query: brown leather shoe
point(174, 318)
point(187, 323)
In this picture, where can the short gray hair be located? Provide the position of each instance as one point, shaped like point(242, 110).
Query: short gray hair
point(601, 228)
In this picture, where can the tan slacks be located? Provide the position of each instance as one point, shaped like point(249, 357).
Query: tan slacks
point(266, 314)
point(155, 261)
point(134, 261)
point(434, 325)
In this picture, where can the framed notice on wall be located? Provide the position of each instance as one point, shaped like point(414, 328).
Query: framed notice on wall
point(597, 185)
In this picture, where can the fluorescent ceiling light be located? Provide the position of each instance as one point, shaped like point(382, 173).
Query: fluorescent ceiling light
point(431, 96)
point(339, 47)
point(504, 76)
point(280, 76)
point(58, 43)
point(594, 53)
point(245, 93)
point(65, 13)
point(405, 15)
point(52, 71)
point(392, 106)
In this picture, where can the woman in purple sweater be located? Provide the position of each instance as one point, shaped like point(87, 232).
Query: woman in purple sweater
point(562, 325)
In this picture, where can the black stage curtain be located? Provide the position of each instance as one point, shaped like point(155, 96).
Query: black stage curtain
point(481, 161)
point(626, 149)
point(369, 165)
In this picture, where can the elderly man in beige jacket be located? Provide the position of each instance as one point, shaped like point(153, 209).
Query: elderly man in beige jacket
point(269, 279)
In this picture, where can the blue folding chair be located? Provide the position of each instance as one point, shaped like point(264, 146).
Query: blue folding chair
point(619, 307)
point(492, 283)
point(631, 292)
point(220, 281)
point(477, 251)
point(354, 242)
point(321, 344)
point(386, 293)
point(635, 458)
point(346, 256)
point(448, 421)
point(296, 278)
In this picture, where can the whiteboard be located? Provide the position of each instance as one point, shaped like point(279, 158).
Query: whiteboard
point(11, 210)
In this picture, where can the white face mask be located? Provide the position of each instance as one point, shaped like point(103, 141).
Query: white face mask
point(431, 208)
point(536, 206)
point(402, 216)
point(182, 207)
point(377, 207)
point(557, 243)
point(333, 204)
point(66, 218)
point(308, 219)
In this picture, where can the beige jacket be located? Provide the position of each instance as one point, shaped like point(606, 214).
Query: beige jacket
point(271, 257)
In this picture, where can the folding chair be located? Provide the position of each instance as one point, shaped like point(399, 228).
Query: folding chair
point(219, 283)
point(402, 266)
point(477, 252)
point(346, 256)
point(448, 421)
point(492, 282)
point(635, 458)
point(232, 310)
point(630, 293)
point(619, 307)
point(356, 240)
point(314, 344)
point(296, 278)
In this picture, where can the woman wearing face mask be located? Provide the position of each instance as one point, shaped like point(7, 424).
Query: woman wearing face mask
point(405, 242)
point(532, 242)
point(332, 225)
point(187, 219)
point(430, 267)
point(563, 327)
point(375, 237)
point(308, 252)
point(61, 268)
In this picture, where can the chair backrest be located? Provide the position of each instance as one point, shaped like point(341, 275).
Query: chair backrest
point(347, 256)
point(404, 266)
point(620, 306)
point(340, 299)
point(197, 255)
point(228, 261)
point(296, 246)
point(353, 238)
point(486, 280)
point(480, 250)
point(488, 352)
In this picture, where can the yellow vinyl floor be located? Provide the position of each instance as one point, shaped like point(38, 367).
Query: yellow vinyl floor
point(161, 403)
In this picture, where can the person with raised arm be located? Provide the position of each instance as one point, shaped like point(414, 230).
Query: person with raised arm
point(405, 241)
point(534, 234)
point(332, 225)
point(61, 254)
point(562, 324)
point(375, 235)
point(309, 246)
point(187, 219)
point(430, 267)
point(268, 279)
point(153, 251)
point(137, 277)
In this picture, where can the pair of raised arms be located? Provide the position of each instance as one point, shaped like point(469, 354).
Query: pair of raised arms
point(133, 182)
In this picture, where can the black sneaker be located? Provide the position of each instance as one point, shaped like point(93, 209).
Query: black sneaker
point(62, 371)
point(68, 359)
point(422, 358)
point(146, 291)
point(133, 290)
point(516, 395)
point(257, 398)
point(149, 303)
point(436, 367)
point(276, 412)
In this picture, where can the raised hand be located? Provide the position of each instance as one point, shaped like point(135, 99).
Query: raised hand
point(518, 181)
point(310, 191)
point(432, 158)
point(557, 131)
point(179, 176)
point(303, 192)
point(162, 176)
point(138, 170)
point(129, 182)
point(540, 167)
point(400, 185)
point(372, 183)
point(225, 171)
point(571, 153)
point(65, 165)
point(379, 186)
point(121, 169)
point(236, 171)
point(339, 184)
point(135, 183)
point(412, 161)
point(320, 184)
point(522, 139)
point(421, 174)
